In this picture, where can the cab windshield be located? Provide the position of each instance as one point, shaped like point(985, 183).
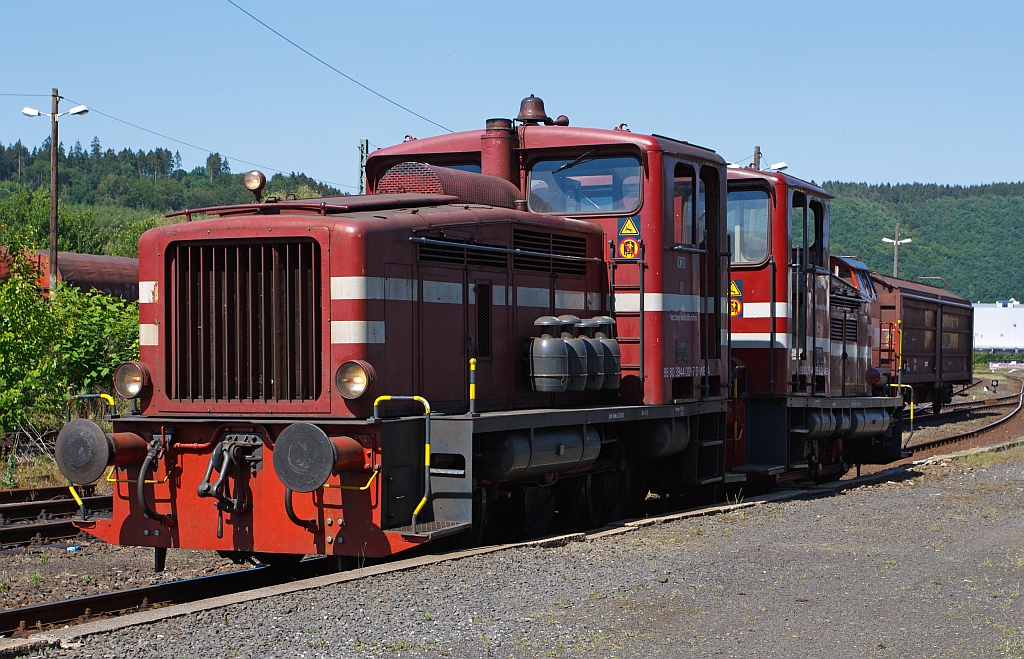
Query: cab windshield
point(748, 225)
point(585, 185)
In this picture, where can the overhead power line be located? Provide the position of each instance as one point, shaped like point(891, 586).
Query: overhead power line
point(341, 73)
point(189, 144)
point(27, 95)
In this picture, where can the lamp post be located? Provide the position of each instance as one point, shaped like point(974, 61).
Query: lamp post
point(896, 250)
point(54, 115)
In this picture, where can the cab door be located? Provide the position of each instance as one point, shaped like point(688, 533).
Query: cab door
point(809, 306)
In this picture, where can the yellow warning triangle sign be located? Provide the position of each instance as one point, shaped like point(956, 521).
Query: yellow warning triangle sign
point(734, 290)
point(628, 228)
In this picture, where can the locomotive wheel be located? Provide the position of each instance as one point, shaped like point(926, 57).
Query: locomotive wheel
point(605, 496)
point(538, 510)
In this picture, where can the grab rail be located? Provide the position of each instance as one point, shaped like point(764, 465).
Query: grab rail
point(426, 455)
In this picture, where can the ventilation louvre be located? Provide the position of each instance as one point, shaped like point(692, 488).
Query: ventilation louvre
point(245, 321)
point(548, 243)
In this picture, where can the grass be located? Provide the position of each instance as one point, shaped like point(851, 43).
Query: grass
point(22, 471)
point(992, 458)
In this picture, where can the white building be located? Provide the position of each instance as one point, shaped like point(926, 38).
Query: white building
point(999, 326)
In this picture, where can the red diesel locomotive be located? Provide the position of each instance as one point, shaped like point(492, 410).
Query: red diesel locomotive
point(802, 339)
point(528, 317)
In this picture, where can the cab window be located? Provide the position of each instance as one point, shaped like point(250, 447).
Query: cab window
point(748, 212)
point(585, 185)
point(682, 206)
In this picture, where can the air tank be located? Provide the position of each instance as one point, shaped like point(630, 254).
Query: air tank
point(867, 423)
point(577, 353)
point(512, 455)
point(549, 358)
point(595, 354)
point(819, 423)
point(612, 359)
point(662, 439)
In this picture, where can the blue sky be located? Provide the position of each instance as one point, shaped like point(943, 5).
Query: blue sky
point(855, 91)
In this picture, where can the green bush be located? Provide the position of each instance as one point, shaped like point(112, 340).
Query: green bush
point(51, 349)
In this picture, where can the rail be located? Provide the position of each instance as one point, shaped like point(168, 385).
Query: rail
point(977, 431)
point(33, 619)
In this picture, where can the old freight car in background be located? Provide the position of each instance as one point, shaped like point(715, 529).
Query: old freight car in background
point(923, 335)
point(113, 275)
point(926, 338)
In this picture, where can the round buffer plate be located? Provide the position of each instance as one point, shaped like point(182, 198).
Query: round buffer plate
point(303, 457)
point(82, 451)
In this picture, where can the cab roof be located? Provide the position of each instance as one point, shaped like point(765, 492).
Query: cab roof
point(744, 174)
point(539, 137)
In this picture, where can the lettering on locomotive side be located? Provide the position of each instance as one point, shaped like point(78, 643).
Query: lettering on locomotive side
point(683, 317)
point(684, 371)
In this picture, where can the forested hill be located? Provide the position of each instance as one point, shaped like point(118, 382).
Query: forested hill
point(152, 180)
point(973, 236)
point(108, 198)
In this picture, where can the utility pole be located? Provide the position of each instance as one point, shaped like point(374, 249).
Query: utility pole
point(896, 250)
point(757, 157)
point(53, 192)
point(54, 115)
point(364, 150)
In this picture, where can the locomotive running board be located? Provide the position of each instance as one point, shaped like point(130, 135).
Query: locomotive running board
point(431, 530)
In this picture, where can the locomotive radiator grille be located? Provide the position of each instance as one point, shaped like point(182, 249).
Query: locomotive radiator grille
point(547, 243)
point(245, 321)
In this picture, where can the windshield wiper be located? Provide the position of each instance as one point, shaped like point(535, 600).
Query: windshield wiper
point(572, 164)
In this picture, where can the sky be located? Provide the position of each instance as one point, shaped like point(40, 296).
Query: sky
point(877, 92)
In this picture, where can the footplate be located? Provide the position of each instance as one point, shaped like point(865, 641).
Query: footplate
point(432, 530)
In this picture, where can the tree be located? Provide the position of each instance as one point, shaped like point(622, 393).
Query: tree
point(213, 165)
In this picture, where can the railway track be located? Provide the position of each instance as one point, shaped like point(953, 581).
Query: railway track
point(36, 515)
point(28, 620)
point(1017, 401)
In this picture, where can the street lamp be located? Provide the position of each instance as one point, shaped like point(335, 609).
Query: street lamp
point(54, 116)
point(896, 250)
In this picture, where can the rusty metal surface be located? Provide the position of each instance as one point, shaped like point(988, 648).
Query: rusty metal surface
point(466, 186)
point(113, 275)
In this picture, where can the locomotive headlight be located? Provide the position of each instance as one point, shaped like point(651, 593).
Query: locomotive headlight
point(255, 181)
point(131, 379)
point(354, 379)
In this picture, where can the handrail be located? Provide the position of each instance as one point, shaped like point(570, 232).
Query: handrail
point(426, 455)
point(907, 386)
point(131, 480)
point(502, 250)
point(355, 487)
point(320, 207)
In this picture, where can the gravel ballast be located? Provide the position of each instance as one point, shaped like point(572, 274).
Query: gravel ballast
point(48, 573)
point(931, 565)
